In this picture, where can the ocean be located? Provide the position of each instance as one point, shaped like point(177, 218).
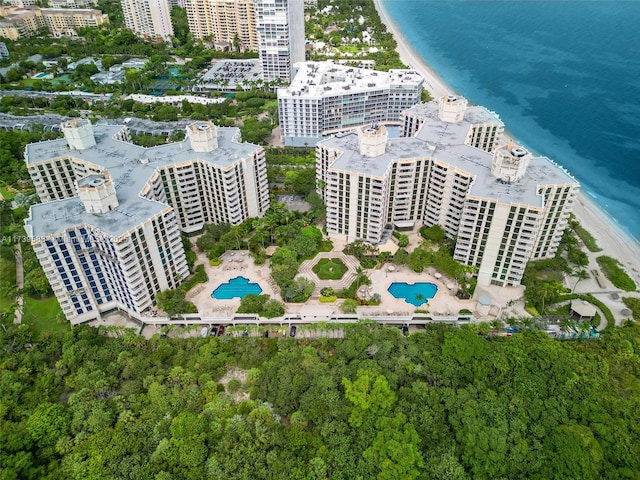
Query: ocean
point(564, 76)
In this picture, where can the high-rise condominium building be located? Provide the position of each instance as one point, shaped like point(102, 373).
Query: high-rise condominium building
point(325, 98)
point(149, 19)
point(280, 26)
point(107, 232)
point(503, 206)
point(60, 22)
point(230, 23)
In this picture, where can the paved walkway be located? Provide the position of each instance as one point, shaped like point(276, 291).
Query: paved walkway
point(608, 294)
point(352, 263)
point(17, 318)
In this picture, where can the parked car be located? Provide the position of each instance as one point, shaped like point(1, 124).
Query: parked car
point(214, 331)
point(292, 332)
point(204, 331)
point(221, 330)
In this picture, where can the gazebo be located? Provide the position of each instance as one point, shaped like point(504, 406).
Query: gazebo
point(583, 309)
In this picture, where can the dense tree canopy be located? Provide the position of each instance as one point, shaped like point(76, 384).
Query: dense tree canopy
point(443, 404)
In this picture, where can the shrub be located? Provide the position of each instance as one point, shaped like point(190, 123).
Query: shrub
point(214, 262)
point(329, 299)
point(585, 236)
point(273, 308)
point(612, 269)
point(349, 306)
point(327, 292)
point(532, 310)
point(261, 305)
point(401, 257)
point(433, 234)
point(234, 385)
point(369, 262)
point(634, 305)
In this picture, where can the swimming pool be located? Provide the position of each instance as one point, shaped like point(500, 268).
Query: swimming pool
point(414, 293)
point(237, 287)
point(41, 75)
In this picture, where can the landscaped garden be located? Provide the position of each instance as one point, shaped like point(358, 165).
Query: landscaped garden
point(330, 269)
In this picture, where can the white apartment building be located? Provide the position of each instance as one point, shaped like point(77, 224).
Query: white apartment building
point(61, 22)
point(107, 232)
point(230, 23)
point(325, 98)
point(149, 19)
point(281, 42)
point(72, 3)
point(503, 206)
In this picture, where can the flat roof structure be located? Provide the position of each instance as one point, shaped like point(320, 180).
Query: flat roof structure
point(130, 167)
point(319, 79)
point(541, 170)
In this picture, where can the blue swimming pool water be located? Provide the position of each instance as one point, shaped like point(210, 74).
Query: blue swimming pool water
point(409, 292)
point(41, 75)
point(237, 287)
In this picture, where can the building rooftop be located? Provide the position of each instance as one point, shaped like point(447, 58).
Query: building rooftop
point(318, 79)
point(130, 167)
point(351, 160)
point(445, 142)
point(436, 131)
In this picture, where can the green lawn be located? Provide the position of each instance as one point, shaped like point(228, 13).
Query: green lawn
point(41, 315)
point(7, 275)
point(61, 79)
point(330, 269)
point(6, 194)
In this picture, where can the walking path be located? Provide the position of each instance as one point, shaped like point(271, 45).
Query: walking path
point(306, 270)
point(17, 318)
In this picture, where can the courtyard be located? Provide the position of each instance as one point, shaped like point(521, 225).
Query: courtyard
point(444, 305)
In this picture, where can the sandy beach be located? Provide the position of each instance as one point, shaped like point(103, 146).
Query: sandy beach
point(436, 85)
point(610, 237)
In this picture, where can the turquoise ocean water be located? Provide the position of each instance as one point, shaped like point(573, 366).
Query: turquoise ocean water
point(564, 76)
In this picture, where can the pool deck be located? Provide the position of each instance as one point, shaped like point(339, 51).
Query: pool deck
point(444, 304)
point(234, 264)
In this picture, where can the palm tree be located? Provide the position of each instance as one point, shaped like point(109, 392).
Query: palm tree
point(581, 274)
point(420, 298)
point(360, 275)
point(548, 290)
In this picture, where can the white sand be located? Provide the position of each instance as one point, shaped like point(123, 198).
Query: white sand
point(610, 237)
point(433, 83)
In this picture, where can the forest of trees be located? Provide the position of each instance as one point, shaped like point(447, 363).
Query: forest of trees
point(442, 404)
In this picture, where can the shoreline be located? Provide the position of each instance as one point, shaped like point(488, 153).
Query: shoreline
point(610, 236)
point(436, 85)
